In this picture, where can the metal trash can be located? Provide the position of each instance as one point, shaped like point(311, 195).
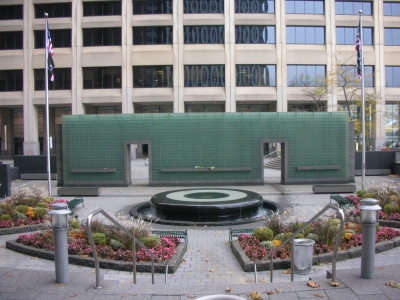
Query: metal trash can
point(302, 256)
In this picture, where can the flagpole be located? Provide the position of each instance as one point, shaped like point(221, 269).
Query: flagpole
point(362, 103)
point(46, 80)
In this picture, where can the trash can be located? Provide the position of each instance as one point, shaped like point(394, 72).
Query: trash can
point(302, 256)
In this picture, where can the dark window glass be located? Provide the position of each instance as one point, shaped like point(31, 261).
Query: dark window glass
point(306, 75)
point(255, 34)
point(150, 7)
point(392, 74)
point(305, 35)
point(11, 12)
point(391, 8)
point(347, 35)
point(252, 108)
point(152, 35)
point(203, 6)
point(93, 37)
point(255, 6)
point(62, 79)
point(59, 10)
point(313, 7)
point(152, 76)
point(392, 36)
point(255, 75)
point(307, 107)
point(204, 75)
point(102, 78)
point(352, 7)
point(349, 76)
point(204, 108)
point(203, 34)
point(105, 8)
point(10, 40)
point(60, 38)
point(11, 80)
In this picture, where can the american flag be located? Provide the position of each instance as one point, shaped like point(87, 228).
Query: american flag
point(358, 49)
point(50, 62)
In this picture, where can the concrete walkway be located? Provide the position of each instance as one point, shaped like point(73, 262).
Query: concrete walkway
point(209, 266)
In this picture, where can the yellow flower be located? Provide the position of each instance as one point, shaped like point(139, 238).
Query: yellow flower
point(347, 236)
point(276, 243)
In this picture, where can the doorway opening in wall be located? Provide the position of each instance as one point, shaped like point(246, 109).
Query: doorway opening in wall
point(137, 162)
point(273, 161)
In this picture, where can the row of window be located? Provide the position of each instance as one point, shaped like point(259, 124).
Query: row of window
point(106, 8)
point(92, 37)
point(194, 76)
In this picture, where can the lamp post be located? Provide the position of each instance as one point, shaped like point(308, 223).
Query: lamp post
point(369, 218)
point(59, 222)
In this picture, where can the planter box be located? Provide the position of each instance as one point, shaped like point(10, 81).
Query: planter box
point(23, 229)
point(144, 267)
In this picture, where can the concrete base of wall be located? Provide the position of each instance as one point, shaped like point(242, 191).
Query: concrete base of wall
point(374, 172)
point(78, 191)
point(333, 188)
point(38, 176)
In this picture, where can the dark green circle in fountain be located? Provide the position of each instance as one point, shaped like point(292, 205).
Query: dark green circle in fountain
point(206, 195)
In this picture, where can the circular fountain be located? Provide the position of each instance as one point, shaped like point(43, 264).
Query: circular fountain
point(207, 206)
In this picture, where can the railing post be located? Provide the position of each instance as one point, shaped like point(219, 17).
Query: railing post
point(255, 270)
point(166, 273)
point(134, 260)
point(292, 261)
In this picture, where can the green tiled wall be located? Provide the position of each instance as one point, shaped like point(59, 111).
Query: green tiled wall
point(224, 140)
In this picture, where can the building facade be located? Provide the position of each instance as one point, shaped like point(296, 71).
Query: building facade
point(179, 56)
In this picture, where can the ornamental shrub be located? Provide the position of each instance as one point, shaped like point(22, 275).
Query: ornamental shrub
point(361, 193)
point(299, 236)
point(386, 233)
point(5, 217)
point(99, 238)
point(267, 245)
point(150, 241)
point(22, 209)
point(115, 245)
point(263, 234)
point(19, 215)
point(42, 204)
point(40, 212)
point(313, 236)
point(74, 224)
point(391, 208)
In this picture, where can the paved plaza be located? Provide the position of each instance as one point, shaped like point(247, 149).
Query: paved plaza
point(209, 266)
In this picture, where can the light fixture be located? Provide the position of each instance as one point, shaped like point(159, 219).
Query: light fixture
point(369, 211)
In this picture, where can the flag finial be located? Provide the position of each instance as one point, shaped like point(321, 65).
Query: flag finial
point(46, 15)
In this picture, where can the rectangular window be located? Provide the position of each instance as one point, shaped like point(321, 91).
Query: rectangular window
point(152, 7)
point(93, 37)
point(255, 75)
point(305, 35)
point(391, 9)
point(11, 12)
point(102, 78)
point(392, 123)
point(10, 40)
point(348, 75)
point(61, 38)
point(203, 6)
point(204, 75)
point(152, 76)
point(306, 75)
point(104, 8)
point(255, 34)
point(347, 35)
point(392, 76)
point(311, 7)
point(392, 36)
point(62, 79)
point(152, 35)
point(307, 107)
point(203, 34)
point(352, 7)
point(54, 10)
point(254, 7)
point(11, 80)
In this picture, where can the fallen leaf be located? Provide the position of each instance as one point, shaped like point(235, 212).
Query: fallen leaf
point(228, 289)
point(189, 274)
point(277, 291)
point(206, 259)
point(393, 284)
point(74, 295)
point(313, 284)
point(122, 282)
point(9, 275)
point(60, 284)
point(263, 280)
point(270, 292)
point(191, 296)
point(335, 283)
point(123, 295)
point(212, 271)
point(172, 275)
point(255, 296)
point(207, 275)
point(318, 295)
point(205, 226)
point(183, 261)
point(218, 232)
point(288, 271)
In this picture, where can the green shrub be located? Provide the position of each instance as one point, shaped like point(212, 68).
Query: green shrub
point(267, 245)
point(391, 208)
point(299, 236)
point(42, 204)
point(22, 209)
point(286, 235)
point(74, 224)
point(48, 199)
point(28, 201)
point(99, 238)
point(361, 193)
point(295, 226)
point(327, 230)
point(97, 226)
point(150, 241)
point(19, 215)
point(279, 237)
point(115, 245)
point(5, 217)
point(263, 234)
point(313, 236)
point(40, 212)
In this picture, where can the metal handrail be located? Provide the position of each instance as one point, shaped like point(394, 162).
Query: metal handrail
point(341, 216)
point(278, 150)
point(134, 241)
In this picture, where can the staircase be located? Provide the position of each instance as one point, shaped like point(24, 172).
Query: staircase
point(274, 163)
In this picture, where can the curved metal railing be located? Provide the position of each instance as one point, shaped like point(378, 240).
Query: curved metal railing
point(134, 241)
point(291, 238)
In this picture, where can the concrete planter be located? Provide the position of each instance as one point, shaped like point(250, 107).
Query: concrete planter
point(24, 229)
